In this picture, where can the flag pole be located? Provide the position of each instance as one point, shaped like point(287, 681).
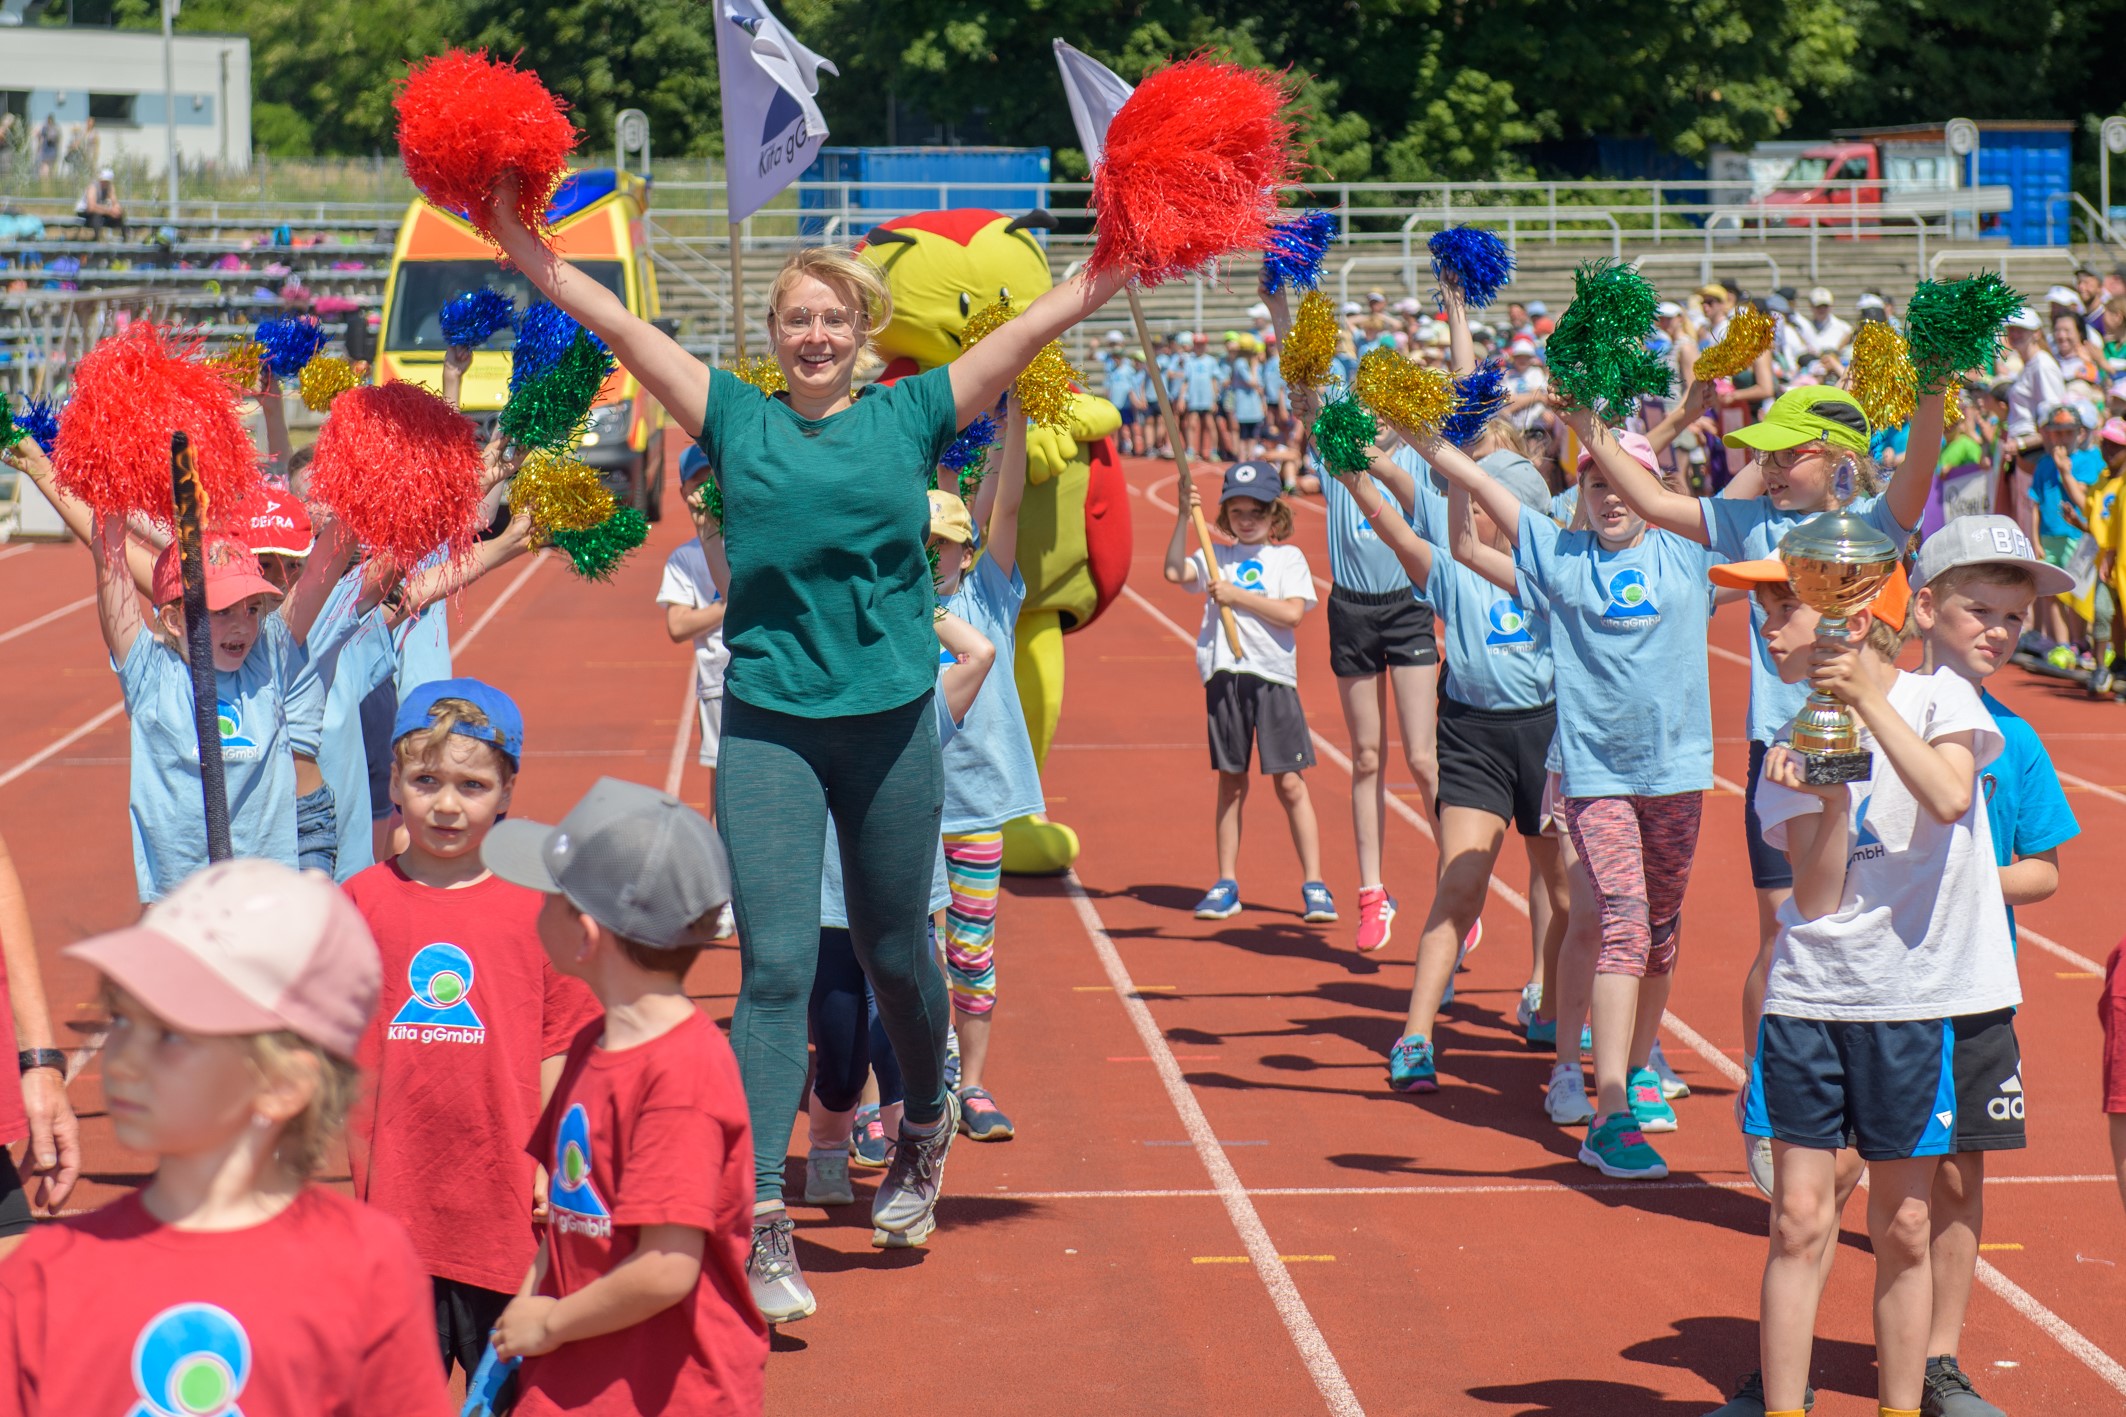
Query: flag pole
point(1180, 448)
point(738, 281)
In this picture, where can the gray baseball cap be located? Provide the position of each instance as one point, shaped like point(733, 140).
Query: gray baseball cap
point(1518, 476)
point(641, 863)
point(1988, 539)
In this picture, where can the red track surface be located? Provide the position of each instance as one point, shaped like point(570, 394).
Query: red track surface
point(1214, 1205)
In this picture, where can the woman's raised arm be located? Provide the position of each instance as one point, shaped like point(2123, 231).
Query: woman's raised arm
point(979, 375)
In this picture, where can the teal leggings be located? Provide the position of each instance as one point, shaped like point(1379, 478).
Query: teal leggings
point(777, 776)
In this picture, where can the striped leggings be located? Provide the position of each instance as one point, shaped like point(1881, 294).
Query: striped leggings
point(972, 863)
point(1637, 851)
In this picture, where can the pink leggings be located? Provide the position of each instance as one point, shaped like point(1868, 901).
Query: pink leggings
point(1637, 851)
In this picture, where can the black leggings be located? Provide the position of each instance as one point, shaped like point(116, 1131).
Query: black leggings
point(848, 1040)
point(778, 776)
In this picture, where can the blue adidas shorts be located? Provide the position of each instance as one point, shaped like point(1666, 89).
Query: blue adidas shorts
point(1888, 1089)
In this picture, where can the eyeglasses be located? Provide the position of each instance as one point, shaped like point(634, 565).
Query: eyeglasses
point(797, 321)
point(1786, 459)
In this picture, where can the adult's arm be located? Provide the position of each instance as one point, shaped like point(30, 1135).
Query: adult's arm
point(55, 1135)
point(980, 374)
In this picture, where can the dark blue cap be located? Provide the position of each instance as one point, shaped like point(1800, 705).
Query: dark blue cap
point(504, 729)
point(693, 462)
point(1253, 478)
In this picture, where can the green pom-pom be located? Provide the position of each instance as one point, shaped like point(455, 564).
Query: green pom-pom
point(1344, 432)
point(551, 411)
point(1597, 354)
point(595, 554)
point(11, 432)
point(1955, 325)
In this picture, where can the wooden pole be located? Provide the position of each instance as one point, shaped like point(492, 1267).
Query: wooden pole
point(199, 642)
point(738, 285)
point(1173, 436)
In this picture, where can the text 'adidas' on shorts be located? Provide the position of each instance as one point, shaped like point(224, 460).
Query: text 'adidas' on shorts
point(1989, 1083)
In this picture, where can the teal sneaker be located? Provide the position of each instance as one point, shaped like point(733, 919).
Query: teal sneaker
point(1648, 1107)
point(1616, 1147)
point(1410, 1067)
point(1542, 1033)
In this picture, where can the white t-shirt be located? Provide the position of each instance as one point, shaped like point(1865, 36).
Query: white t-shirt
point(2036, 389)
point(1922, 931)
point(1279, 572)
point(687, 583)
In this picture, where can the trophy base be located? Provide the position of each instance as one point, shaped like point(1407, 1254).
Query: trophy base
point(1825, 769)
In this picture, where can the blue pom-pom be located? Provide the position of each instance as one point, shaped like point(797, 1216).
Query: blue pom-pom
point(1296, 250)
point(470, 319)
point(544, 333)
point(973, 442)
point(40, 419)
point(1479, 260)
point(1479, 397)
point(290, 343)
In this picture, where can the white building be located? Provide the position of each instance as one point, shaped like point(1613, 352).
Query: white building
point(116, 77)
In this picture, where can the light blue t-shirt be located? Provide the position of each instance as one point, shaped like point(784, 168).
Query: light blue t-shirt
point(1123, 379)
point(990, 776)
point(166, 802)
point(1245, 392)
point(833, 909)
point(1429, 516)
point(424, 647)
point(1497, 652)
point(350, 657)
point(1358, 559)
point(1273, 382)
point(2025, 805)
point(1205, 375)
point(1751, 529)
point(1627, 642)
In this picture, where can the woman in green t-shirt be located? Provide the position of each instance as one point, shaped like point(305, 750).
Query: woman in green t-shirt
point(834, 661)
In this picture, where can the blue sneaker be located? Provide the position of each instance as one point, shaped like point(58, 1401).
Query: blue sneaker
point(1542, 1034)
point(1222, 902)
point(1587, 1038)
point(1410, 1066)
point(1616, 1147)
point(1648, 1107)
point(1319, 907)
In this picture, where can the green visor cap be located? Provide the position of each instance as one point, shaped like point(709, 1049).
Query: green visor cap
point(1812, 413)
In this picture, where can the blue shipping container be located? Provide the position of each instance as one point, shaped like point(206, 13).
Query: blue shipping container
point(2033, 164)
point(878, 184)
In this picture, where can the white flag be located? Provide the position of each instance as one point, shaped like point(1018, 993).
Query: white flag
point(771, 121)
point(1096, 94)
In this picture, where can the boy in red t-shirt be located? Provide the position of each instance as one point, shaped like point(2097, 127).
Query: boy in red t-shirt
point(467, 1040)
point(231, 1283)
point(638, 1301)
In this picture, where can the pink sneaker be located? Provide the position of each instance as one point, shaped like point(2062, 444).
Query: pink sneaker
point(1470, 941)
point(1376, 909)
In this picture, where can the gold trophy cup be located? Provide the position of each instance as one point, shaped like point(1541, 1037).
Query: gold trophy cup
point(1836, 563)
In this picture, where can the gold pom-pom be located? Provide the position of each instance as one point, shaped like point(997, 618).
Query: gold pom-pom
point(985, 320)
point(762, 372)
point(325, 379)
point(1310, 345)
point(1952, 408)
point(1413, 398)
point(1044, 385)
point(239, 364)
point(1882, 377)
point(560, 494)
point(1749, 334)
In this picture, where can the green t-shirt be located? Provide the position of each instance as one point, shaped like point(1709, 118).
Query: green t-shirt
point(1961, 451)
point(830, 598)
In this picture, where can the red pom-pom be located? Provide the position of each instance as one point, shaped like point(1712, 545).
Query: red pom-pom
point(131, 392)
point(400, 469)
point(1191, 169)
point(465, 120)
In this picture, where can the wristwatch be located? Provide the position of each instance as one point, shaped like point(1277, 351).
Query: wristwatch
point(30, 1059)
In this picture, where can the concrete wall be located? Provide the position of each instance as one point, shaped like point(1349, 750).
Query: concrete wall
point(60, 68)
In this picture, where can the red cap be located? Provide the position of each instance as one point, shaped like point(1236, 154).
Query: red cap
point(281, 527)
point(232, 574)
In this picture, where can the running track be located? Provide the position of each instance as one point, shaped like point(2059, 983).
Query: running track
point(1214, 1204)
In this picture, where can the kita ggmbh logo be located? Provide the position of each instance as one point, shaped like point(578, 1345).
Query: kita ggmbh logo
point(572, 1198)
point(1509, 624)
point(1630, 598)
point(440, 1010)
point(191, 1360)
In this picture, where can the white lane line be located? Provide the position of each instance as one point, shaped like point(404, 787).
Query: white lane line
point(1503, 1188)
point(60, 745)
point(681, 740)
point(2052, 946)
point(2017, 1298)
point(464, 641)
point(2072, 780)
point(1306, 1335)
point(46, 619)
point(1725, 653)
point(17, 550)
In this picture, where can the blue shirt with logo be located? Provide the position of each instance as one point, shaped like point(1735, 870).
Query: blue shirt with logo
point(1358, 559)
point(990, 774)
point(166, 802)
point(2025, 804)
point(1750, 529)
point(1497, 652)
point(1628, 648)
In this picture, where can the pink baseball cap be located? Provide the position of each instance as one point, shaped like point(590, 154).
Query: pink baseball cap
point(281, 527)
point(245, 947)
point(2113, 431)
point(232, 573)
point(1642, 452)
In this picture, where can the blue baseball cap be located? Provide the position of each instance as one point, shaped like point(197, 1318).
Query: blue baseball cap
point(504, 730)
point(1254, 479)
point(693, 462)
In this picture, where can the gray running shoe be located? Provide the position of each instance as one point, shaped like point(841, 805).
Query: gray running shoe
point(1757, 1151)
point(1948, 1392)
point(914, 1177)
point(827, 1179)
point(1748, 1400)
point(779, 1288)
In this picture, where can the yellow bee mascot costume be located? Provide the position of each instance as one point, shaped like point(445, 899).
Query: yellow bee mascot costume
point(1074, 534)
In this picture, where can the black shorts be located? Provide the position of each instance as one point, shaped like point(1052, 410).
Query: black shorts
point(1989, 1083)
point(1251, 430)
point(1246, 708)
point(1492, 760)
point(1887, 1088)
point(465, 1315)
point(1370, 634)
point(15, 1218)
point(1769, 868)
